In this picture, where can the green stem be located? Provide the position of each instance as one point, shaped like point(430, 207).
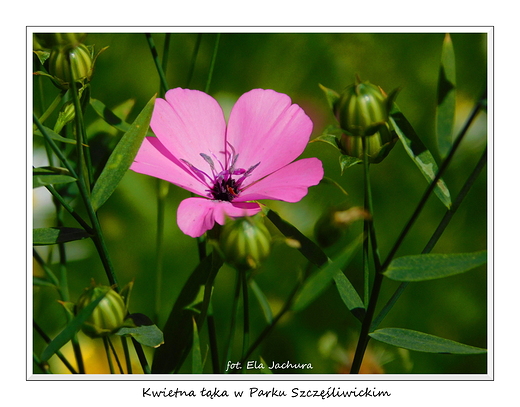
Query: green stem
point(212, 65)
point(124, 343)
point(47, 339)
point(155, 57)
point(378, 279)
point(436, 235)
point(109, 358)
point(245, 299)
point(111, 345)
point(69, 209)
point(213, 341)
point(268, 329)
point(234, 312)
point(141, 356)
point(193, 60)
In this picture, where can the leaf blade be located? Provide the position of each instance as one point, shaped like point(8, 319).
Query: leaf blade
point(122, 157)
point(70, 330)
point(55, 235)
point(419, 154)
point(446, 97)
point(433, 265)
point(44, 176)
point(422, 342)
point(321, 279)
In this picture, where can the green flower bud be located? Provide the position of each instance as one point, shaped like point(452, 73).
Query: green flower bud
point(109, 314)
point(80, 61)
point(51, 40)
point(245, 242)
point(65, 116)
point(362, 108)
point(378, 145)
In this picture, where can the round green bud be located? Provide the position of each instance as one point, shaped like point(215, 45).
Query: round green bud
point(51, 40)
point(109, 314)
point(245, 242)
point(78, 69)
point(378, 145)
point(361, 109)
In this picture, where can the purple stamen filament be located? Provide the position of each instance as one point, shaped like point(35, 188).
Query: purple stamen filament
point(222, 186)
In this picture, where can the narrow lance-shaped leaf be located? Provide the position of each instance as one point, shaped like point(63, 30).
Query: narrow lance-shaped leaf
point(323, 278)
point(44, 176)
point(122, 157)
point(420, 155)
point(422, 342)
point(262, 300)
point(433, 265)
point(196, 363)
point(307, 247)
point(446, 94)
point(54, 136)
point(70, 330)
point(54, 235)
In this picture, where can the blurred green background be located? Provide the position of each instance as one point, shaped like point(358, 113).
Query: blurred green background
point(295, 64)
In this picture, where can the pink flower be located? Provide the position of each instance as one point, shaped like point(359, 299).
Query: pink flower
point(228, 166)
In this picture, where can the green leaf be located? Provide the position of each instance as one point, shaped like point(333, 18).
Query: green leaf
point(122, 157)
point(432, 266)
point(349, 295)
point(70, 330)
point(347, 161)
point(143, 331)
point(109, 116)
point(178, 330)
point(196, 362)
point(331, 95)
point(307, 247)
point(420, 155)
point(54, 235)
point(421, 342)
point(327, 138)
point(43, 176)
point(320, 280)
point(446, 94)
point(54, 136)
point(262, 300)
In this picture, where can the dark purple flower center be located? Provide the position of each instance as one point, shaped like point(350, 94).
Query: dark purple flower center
point(226, 184)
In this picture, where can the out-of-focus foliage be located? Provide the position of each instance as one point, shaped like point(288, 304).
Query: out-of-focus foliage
point(294, 64)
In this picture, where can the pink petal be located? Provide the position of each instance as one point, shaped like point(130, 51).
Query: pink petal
point(155, 160)
point(195, 216)
point(190, 122)
point(265, 127)
point(289, 183)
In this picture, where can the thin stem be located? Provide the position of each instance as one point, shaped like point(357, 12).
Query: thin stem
point(234, 312)
point(245, 299)
point(212, 65)
point(367, 321)
point(155, 57)
point(141, 356)
point(47, 339)
point(124, 343)
point(109, 358)
point(213, 341)
point(69, 209)
point(193, 60)
point(115, 354)
point(268, 329)
point(433, 184)
point(436, 235)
